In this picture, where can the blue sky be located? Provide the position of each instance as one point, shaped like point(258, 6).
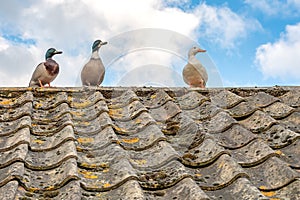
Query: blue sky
point(248, 42)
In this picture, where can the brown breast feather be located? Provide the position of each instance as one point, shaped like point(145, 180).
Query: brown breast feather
point(52, 67)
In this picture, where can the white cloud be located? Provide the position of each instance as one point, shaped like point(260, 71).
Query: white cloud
point(72, 25)
point(223, 26)
point(180, 2)
point(3, 44)
point(281, 58)
point(15, 62)
point(276, 7)
point(295, 3)
point(270, 7)
point(177, 3)
point(141, 63)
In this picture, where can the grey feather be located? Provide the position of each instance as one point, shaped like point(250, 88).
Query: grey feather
point(93, 73)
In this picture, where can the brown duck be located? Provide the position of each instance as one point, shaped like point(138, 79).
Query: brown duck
point(46, 71)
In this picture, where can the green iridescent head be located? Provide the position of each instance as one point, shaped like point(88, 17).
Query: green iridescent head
point(97, 44)
point(51, 52)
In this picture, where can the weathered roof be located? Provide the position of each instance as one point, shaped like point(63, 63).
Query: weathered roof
point(150, 143)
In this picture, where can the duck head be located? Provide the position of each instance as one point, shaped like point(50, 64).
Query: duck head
point(51, 52)
point(194, 50)
point(97, 44)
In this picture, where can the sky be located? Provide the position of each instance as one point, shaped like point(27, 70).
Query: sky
point(248, 42)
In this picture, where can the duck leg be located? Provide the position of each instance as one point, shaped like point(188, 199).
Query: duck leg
point(41, 83)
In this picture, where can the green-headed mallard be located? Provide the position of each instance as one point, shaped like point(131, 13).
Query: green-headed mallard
point(93, 71)
point(46, 71)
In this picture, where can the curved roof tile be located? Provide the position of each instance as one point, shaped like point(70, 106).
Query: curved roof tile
point(149, 143)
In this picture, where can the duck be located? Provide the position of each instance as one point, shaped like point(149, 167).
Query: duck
point(93, 71)
point(194, 73)
point(46, 71)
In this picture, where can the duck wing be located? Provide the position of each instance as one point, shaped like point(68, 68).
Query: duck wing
point(201, 70)
point(194, 75)
point(37, 74)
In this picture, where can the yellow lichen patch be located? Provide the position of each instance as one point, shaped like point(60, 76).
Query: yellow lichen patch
point(262, 187)
point(25, 180)
point(118, 129)
point(85, 140)
point(38, 105)
point(139, 162)
point(83, 123)
point(106, 185)
point(104, 165)
point(33, 189)
point(138, 121)
point(6, 102)
point(131, 140)
point(80, 104)
point(86, 123)
point(20, 188)
point(279, 152)
point(198, 175)
point(106, 170)
point(89, 175)
point(268, 194)
point(70, 99)
point(153, 96)
point(100, 194)
point(87, 165)
point(79, 149)
point(77, 113)
point(221, 164)
point(50, 187)
point(116, 113)
point(117, 141)
point(38, 141)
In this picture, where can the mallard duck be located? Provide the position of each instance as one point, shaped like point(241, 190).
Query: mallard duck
point(46, 71)
point(93, 71)
point(194, 74)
